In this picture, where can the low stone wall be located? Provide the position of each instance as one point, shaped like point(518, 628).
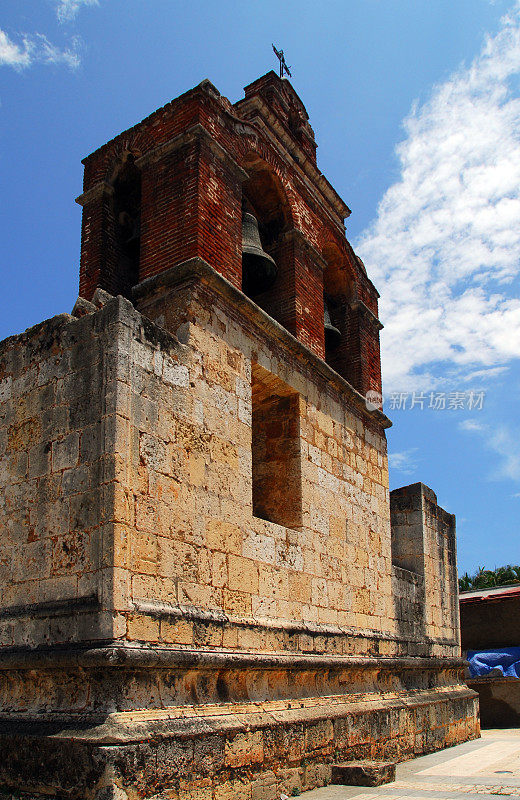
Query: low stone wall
point(424, 545)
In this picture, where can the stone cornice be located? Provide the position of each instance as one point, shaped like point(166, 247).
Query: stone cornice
point(94, 193)
point(198, 269)
point(119, 655)
point(53, 608)
point(359, 305)
point(218, 617)
point(302, 161)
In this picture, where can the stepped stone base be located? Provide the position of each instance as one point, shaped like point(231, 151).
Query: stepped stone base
point(256, 725)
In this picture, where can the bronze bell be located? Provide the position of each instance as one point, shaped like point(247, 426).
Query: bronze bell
point(332, 334)
point(259, 270)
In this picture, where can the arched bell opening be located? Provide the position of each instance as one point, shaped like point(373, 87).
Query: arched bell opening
point(259, 270)
point(265, 218)
point(338, 292)
point(332, 332)
point(126, 207)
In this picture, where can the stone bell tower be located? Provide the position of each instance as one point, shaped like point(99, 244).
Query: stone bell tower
point(202, 593)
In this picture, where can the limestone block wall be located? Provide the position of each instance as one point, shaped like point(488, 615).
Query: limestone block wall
point(408, 595)
point(59, 454)
point(244, 580)
point(143, 501)
point(254, 582)
point(423, 542)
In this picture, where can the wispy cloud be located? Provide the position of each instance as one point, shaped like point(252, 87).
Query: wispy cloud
point(489, 372)
point(444, 248)
point(404, 462)
point(13, 54)
point(471, 425)
point(67, 9)
point(501, 440)
point(35, 49)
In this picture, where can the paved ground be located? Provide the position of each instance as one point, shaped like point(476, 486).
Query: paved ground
point(478, 770)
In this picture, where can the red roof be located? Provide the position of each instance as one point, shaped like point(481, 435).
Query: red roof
point(496, 593)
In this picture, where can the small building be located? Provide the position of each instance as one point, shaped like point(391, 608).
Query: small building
point(201, 592)
point(490, 620)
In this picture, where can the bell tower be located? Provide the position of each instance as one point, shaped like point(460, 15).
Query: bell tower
point(236, 186)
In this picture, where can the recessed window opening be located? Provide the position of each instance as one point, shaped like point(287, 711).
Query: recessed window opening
point(276, 450)
point(127, 222)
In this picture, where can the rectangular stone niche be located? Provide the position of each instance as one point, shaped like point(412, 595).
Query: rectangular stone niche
point(276, 450)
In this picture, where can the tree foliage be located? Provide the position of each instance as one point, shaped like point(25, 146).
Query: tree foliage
point(488, 578)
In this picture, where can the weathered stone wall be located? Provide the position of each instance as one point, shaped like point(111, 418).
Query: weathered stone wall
point(308, 585)
point(130, 492)
point(330, 569)
point(423, 542)
point(58, 455)
point(409, 600)
point(128, 451)
point(244, 751)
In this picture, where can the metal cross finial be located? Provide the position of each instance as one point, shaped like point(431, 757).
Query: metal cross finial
point(283, 66)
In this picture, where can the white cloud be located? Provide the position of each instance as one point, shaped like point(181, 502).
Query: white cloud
point(471, 425)
point(501, 440)
point(67, 9)
point(490, 372)
point(444, 248)
point(33, 49)
point(404, 461)
point(48, 53)
point(12, 54)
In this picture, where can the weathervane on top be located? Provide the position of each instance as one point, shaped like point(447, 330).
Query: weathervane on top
point(283, 66)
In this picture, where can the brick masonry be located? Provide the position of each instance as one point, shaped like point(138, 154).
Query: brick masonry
point(195, 161)
point(201, 591)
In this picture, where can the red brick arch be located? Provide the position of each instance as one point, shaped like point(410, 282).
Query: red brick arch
point(267, 191)
point(339, 277)
point(102, 164)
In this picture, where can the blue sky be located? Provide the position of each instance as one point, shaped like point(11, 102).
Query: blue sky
point(416, 109)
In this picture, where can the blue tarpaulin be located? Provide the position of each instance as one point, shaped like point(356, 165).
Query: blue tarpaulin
point(505, 660)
